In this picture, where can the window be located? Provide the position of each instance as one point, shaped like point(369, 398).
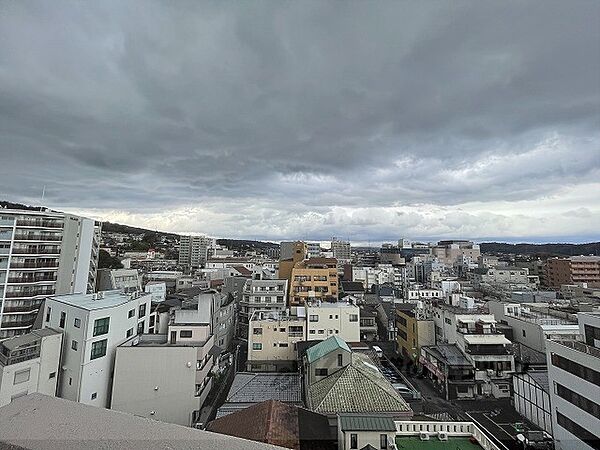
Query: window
point(282, 330)
point(283, 344)
point(94, 395)
point(130, 332)
point(21, 376)
point(52, 375)
point(101, 326)
point(321, 331)
point(74, 345)
point(314, 318)
point(77, 323)
point(152, 319)
point(140, 327)
point(185, 334)
point(383, 441)
point(340, 359)
point(256, 346)
point(330, 316)
point(578, 400)
point(353, 440)
point(142, 310)
point(311, 332)
point(48, 312)
point(321, 372)
point(98, 349)
point(524, 334)
point(576, 369)
point(131, 313)
point(63, 319)
point(353, 317)
point(448, 321)
point(257, 331)
point(574, 428)
point(70, 381)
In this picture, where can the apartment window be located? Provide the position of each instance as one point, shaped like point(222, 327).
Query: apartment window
point(101, 326)
point(140, 327)
point(77, 323)
point(574, 428)
point(52, 375)
point(524, 334)
point(74, 345)
point(321, 372)
point(312, 332)
point(314, 318)
point(576, 369)
point(578, 400)
point(383, 441)
point(280, 299)
point(257, 346)
point(70, 381)
point(131, 313)
point(257, 331)
point(48, 312)
point(142, 310)
point(353, 317)
point(282, 330)
point(353, 440)
point(340, 358)
point(94, 395)
point(63, 319)
point(448, 321)
point(152, 320)
point(283, 344)
point(130, 332)
point(21, 376)
point(98, 349)
point(185, 334)
point(321, 331)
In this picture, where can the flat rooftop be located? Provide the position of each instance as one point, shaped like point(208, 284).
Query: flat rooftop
point(91, 302)
point(453, 443)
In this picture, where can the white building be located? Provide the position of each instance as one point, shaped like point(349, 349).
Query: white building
point(29, 363)
point(194, 250)
point(326, 319)
point(158, 291)
point(263, 295)
point(341, 250)
point(93, 325)
point(531, 397)
point(42, 253)
point(127, 280)
point(165, 377)
point(574, 377)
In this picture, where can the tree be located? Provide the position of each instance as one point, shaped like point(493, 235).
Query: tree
point(105, 261)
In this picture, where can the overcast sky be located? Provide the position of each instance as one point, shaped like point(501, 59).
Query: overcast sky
point(275, 120)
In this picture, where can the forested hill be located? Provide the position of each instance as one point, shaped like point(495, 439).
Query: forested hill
point(591, 248)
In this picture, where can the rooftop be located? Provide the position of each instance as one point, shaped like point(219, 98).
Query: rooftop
point(159, 340)
point(40, 422)
point(100, 300)
point(453, 443)
point(367, 423)
point(256, 387)
point(449, 354)
point(27, 339)
point(484, 339)
point(331, 344)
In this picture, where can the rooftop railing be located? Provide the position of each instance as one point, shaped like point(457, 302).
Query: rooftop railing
point(581, 347)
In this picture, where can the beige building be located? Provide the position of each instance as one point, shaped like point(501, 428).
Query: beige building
point(576, 269)
point(413, 332)
point(448, 252)
point(314, 279)
point(291, 254)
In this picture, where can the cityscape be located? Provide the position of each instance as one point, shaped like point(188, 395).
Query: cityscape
point(307, 225)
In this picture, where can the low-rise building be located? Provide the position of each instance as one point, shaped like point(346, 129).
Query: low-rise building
point(126, 280)
point(263, 295)
point(29, 363)
point(414, 329)
point(328, 319)
point(314, 279)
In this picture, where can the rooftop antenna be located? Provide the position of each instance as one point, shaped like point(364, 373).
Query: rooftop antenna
point(43, 193)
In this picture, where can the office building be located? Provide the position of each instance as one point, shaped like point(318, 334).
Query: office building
point(42, 253)
point(29, 363)
point(93, 326)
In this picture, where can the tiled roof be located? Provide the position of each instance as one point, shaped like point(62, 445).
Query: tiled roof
point(357, 388)
point(367, 423)
point(257, 387)
point(331, 344)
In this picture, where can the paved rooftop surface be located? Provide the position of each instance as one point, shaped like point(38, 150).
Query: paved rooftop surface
point(40, 422)
point(91, 302)
point(453, 443)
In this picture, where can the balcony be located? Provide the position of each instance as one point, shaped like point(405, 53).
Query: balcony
point(37, 237)
point(28, 294)
point(39, 264)
point(23, 280)
point(39, 223)
point(35, 251)
point(581, 347)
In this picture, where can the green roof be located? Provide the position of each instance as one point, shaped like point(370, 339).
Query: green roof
point(325, 347)
point(367, 423)
point(453, 443)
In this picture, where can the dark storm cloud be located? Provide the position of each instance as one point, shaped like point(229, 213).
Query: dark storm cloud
point(269, 116)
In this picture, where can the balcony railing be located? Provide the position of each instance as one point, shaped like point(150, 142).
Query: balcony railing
point(36, 251)
point(581, 347)
point(26, 294)
point(31, 279)
point(37, 237)
point(33, 265)
point(39, 223)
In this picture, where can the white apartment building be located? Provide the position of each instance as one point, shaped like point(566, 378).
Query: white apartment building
point(326, 319)
point(381, 274)
point(42, 253)
point(165, 377)
point(508, 277)
point(423, 294)
point(531, 326)
point(574, 378)
point(93, 326)
point(263, 295)
point(127, 280)
point(29, 363)
point(158, 291)
point(193, 250)
point(341, 250)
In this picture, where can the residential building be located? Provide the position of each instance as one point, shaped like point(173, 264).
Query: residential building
point(40, 422)
point(264, 295)
point(414, 329)
point(29, 363)
point(449, 251)
point(365, 432)
point(505, 277)
point(314, 279)
point(333, 319)
point(249, 389)
point(314, 250)
point(165, 377)
point(193, 250)
point(451, 372)
point(368, 322)
point(272, 339)
point(94, 325)
point(278, 423)
point(576, 269)
point(412, 295)
point(158, 291)
point(42, 253)
point(574, 379)
point(341, 250)
point(326, 358)
point(354, 288)
point(127, 280)
point(531, 397)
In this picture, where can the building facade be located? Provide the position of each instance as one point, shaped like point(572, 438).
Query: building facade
point(314, 279)
point(194, 250)
point(263, 295)
point(43, 253)
point(576, 269)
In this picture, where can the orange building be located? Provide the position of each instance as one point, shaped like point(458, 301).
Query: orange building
point(314, 279)
point(576, 269)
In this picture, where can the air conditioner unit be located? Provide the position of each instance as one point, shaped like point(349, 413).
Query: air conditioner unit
point(490, 372)
point(424, 436)
point(443, 436)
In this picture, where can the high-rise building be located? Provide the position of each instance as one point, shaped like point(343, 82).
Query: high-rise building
point(574, 379)
point(341, 250)
point(42, 253)
point(576, 269)
point(193, 250)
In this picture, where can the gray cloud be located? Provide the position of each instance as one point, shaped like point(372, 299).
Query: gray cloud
point(306, 119)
